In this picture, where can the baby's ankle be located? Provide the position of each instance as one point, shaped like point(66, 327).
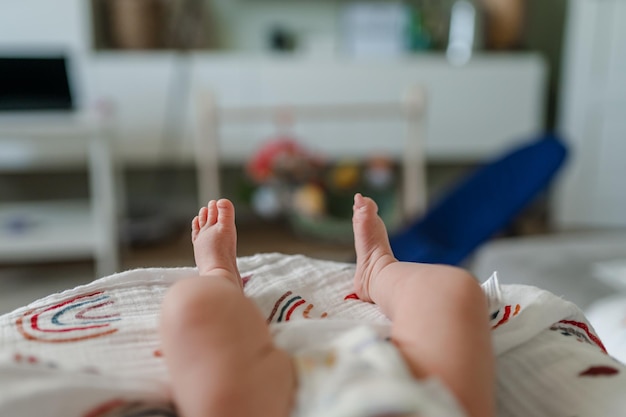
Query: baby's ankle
point(377, 287)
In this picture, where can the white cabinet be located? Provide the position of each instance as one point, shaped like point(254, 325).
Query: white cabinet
point(58, 230)
point(474, 111)
point(592, 192)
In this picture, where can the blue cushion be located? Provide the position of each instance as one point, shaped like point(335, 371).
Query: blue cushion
point(480, 205)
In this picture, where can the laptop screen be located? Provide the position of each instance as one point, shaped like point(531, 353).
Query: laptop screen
point(34, 84)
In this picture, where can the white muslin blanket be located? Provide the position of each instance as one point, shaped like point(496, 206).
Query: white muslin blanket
point(93, 351)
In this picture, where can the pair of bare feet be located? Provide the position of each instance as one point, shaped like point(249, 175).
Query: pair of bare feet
point(458, 351)
point(214, 239)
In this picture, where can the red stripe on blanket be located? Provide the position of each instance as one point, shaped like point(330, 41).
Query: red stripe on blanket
point(286, 306)
point(20, 327)
point(277, 304)
point(102, 409)
point(299, 303)
point(81, 314)
point(244, 280)
point(601, 370)
point(507, 315)
point(29, 325)
point(505, 318)
point(34, 324)
point(64, 303)
point(585, 328)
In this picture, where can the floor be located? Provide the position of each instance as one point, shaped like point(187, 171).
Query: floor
point(572, 265)
point(21, 284)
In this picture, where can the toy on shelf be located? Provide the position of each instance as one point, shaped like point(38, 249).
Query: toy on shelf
point(314, 194)
point(278, 168)
point(282, 159)
point(309, 200)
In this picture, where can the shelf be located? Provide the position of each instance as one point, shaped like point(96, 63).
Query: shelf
point(45, 140)
point(46, 231)
point(58, 230)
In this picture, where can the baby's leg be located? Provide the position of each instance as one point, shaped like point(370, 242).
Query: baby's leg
point(216, 343)
point(439, 313)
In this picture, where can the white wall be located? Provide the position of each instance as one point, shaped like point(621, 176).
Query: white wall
point(592, 107)
point(45, 24)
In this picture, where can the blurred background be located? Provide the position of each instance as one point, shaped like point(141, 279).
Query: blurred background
point(119, 118)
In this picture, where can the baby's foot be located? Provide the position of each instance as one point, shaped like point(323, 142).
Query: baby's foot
point(214, 239)
point(371, 242)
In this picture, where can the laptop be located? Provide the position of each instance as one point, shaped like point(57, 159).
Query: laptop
point(35, 84)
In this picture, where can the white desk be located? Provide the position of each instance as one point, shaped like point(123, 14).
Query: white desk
point(58, 230)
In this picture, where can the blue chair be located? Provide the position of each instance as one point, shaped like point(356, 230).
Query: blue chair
point(481, 205)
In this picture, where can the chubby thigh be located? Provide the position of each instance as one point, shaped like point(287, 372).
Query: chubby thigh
point(220, 354)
